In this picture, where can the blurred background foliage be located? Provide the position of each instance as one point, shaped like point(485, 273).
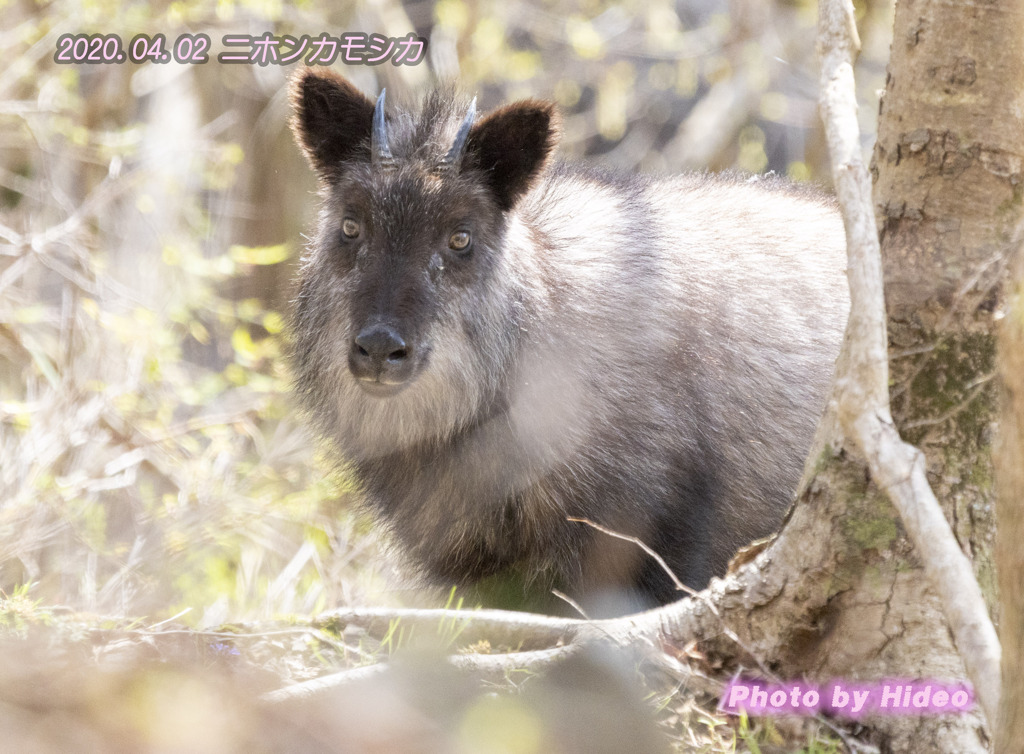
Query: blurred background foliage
point(151, 216)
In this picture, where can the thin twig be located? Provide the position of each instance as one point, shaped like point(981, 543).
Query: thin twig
point(680, 586)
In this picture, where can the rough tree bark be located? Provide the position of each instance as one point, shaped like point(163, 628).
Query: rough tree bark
point(842, 592)
point(948, 168)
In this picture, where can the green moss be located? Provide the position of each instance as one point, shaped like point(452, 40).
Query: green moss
point(981, 473)
point(1014, 202)
point(872, 533)
point(825, 457)
point(946, 388)
point(869, 524)
point(948, 412)
point(870, 520)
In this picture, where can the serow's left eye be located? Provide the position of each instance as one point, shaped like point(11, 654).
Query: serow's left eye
point(459, 241)
point(350, 228)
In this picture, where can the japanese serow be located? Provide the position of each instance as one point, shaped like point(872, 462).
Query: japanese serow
point(496, 344)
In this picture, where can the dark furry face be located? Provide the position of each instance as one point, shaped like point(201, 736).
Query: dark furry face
point(403, 297)
point(382, 276)
point(405, 246)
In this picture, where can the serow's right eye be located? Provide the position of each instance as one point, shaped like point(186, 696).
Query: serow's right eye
point(459, 241)
point(350, 228)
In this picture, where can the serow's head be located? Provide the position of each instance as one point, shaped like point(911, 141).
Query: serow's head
point(409, 250)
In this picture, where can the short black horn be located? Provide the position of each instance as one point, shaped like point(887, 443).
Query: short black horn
point(379, 135)
point(454, 156)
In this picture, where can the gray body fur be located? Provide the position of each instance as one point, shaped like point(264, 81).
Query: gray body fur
point(650, 354)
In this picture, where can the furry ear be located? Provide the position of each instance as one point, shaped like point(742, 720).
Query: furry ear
point(512, 145)
point(331, 121)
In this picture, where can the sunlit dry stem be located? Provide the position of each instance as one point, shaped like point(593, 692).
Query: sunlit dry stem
point(863, 371)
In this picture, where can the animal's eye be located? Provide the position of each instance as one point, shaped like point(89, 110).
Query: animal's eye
point(350, 228)
point(459, 241)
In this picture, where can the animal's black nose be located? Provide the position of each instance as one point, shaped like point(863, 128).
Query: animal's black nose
point(381, 343)
point(380, 354)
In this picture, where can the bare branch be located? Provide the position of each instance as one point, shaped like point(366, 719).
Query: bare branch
point(680, 586)
point(497, 626)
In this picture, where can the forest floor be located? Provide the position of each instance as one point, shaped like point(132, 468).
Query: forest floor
point(88, 683)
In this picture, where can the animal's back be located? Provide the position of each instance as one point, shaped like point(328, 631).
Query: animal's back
point(679, 358)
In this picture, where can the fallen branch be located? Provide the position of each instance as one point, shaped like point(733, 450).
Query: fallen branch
point(719, 611)
point(500, 628)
